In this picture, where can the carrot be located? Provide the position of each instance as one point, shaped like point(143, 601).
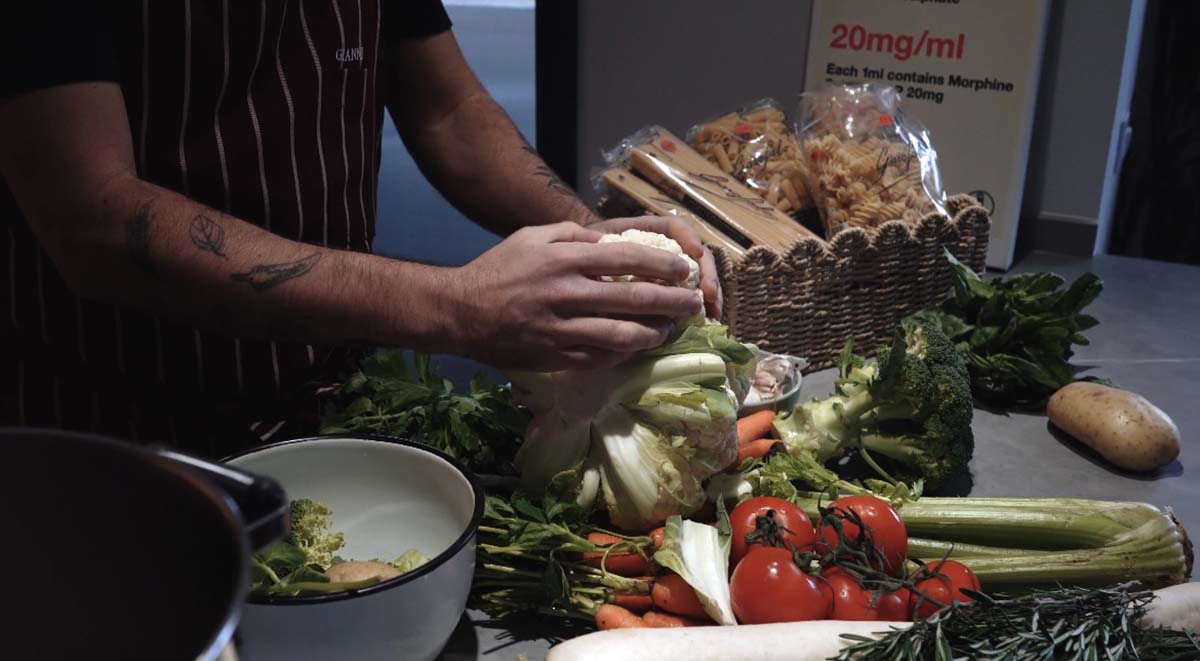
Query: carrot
point(609, 616)
point(754, 426)
point(639, 603)
point(621, 563)
point(657, 535)
point(672, 594)
point(603, 538)
point(755, 449)
point(660, 620)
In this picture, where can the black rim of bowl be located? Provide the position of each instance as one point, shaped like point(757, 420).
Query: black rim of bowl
point(428, 567)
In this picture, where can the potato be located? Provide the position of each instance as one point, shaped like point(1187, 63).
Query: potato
point(1123, 427)
point(360, 570)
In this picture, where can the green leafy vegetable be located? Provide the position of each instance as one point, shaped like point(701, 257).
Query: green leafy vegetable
point(409, 560)
point(297, 565)
point(796, 477)
point(1066, 623)
point(646, 433)
point(273, 564)
point(481, 428)
point(700, 555)
point(527, 560)
point(1016, 333)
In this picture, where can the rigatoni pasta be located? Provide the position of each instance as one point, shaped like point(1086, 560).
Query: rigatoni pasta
point(757, 147)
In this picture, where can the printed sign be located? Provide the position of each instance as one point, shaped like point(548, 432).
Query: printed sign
point(968, 70)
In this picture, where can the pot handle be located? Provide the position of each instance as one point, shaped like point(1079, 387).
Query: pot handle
point(261, 500)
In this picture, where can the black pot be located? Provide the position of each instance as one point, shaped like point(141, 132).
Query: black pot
point(111, 551)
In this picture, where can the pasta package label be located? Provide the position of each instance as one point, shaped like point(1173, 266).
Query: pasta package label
point(712, 194)
point(637, 190)
point(867, 163)
point(737, 217)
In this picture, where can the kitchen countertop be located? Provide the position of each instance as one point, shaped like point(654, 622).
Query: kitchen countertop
point(1149, 317)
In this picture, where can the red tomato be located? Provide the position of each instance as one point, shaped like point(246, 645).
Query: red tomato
point(851, 601)
point(959, 575)
point(789, 523)
point(935, 589)
point(894, 606)
point(885, 530)
point(767, 586)
point(827, 595)
point(945, 584)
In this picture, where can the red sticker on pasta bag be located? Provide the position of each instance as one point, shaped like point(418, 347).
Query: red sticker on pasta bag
point(667, 145)
point(885, 120)
point(742, 129)
point(817, 155)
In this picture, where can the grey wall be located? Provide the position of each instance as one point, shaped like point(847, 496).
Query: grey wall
point(674, 62)
point(1082, 102)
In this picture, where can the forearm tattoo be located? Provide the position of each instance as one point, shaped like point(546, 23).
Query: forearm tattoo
point(207, 235)
point(137, 237)
point(543, 171)
point(266, 276)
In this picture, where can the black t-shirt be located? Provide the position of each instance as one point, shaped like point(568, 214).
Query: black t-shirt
point(52, 42)
point(269, 110)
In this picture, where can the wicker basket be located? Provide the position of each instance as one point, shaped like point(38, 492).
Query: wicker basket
point(809, 301)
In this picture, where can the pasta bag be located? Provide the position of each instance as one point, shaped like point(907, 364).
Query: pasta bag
point(867, 161)
point(756, 145)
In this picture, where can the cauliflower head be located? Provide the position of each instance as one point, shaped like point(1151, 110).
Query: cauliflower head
point(662, 242)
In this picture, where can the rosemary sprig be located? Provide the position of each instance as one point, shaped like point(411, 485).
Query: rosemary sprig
point(1062, 624)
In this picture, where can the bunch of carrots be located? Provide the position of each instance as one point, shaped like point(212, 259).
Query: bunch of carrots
point(668, 600)
point(595, 574)
point(531, 556)
point(754, 435)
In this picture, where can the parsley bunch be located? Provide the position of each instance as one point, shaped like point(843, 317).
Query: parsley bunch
point(482, 427)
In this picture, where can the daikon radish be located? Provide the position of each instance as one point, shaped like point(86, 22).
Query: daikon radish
point(1176, 607)
point(787, 641)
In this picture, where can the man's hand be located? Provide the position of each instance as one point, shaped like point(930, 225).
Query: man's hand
point(679, 230)
point(535, 301)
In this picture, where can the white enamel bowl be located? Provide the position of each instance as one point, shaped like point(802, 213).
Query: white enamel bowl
point(387, 496)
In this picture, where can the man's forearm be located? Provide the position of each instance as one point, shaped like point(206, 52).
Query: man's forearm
point(154, 249)
point(478, 159)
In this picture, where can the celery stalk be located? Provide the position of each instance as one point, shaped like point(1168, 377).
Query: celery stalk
point(1010, 542)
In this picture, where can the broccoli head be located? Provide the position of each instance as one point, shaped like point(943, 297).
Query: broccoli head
point(912, 405)
point(310, 532)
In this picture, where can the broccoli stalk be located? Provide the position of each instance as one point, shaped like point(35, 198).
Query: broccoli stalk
point(912, 406)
